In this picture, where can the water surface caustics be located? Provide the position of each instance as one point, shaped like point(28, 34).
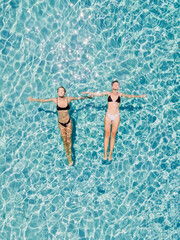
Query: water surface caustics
point(84, 45)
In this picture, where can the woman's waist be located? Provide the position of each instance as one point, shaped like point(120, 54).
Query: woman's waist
point(64, 118)
point(113, 113)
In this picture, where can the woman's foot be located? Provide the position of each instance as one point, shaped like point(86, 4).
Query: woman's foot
point(105, 157)
point(71, 163)
point(110, 157)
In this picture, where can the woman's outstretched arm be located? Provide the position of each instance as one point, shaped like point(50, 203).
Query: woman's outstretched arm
point(96, 94)
point(78, 98)
point(42, 100)
point(132, 96)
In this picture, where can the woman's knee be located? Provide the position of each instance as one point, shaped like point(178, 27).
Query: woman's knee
point(64, 138)
point(69, 140)
point(107, 133)
point(113, 134)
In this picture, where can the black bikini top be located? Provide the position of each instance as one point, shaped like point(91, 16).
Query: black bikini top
point(63, 108)
point(118, 100)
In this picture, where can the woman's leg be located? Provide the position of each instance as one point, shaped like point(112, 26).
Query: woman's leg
point(115, 126)
point(64, 138)
point(69, 142)
point(107, 128)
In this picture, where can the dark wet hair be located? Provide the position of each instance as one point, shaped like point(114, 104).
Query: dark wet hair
point(61, 87)
point(114, 82)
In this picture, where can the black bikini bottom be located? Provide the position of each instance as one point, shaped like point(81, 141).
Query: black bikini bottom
point(65, 124)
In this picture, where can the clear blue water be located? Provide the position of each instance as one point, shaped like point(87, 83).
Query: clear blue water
point(84, 45)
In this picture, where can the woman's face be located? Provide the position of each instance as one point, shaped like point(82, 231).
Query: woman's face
point(115, 86)
point(61, 92)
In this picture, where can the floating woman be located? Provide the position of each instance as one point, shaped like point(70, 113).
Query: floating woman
point(65, 124)
point(112, 116)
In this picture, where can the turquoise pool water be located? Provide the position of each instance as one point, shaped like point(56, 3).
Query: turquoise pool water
point(84, 45)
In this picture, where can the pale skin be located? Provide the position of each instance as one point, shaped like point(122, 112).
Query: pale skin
point(66, 132)
point(113, 110)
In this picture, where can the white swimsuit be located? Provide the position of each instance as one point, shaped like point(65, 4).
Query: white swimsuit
point(112, 117)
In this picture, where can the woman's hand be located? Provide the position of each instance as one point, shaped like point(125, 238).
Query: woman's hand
point(96, 94)
point(30, 99)
point(143, 96)
point(89, 94)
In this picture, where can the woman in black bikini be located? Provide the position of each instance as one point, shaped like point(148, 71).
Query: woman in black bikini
point(112, 116)
point(65, 124)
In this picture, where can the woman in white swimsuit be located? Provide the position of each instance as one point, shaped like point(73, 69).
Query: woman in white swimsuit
point(112, 116)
